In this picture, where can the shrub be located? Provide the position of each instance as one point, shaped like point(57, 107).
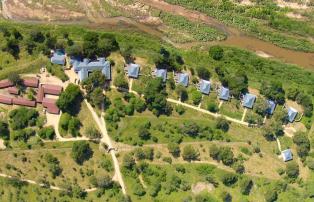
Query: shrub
point(92, 132)
point(81, 152)
point(167, 159)
point(47, 133)
point(216, 52)
point(190, 154)
point(4, 130)
point(303, 144)
point(270, 195)
point(174, 149)
point(222, 124)
point(245, 186)
point(180, 109)
point(128, 161)
point(292, 170)
point(212, 107)
point(144, 133)
point(22, 117)
point(229, 179)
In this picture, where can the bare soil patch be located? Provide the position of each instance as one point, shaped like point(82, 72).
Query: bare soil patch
point(202, 186)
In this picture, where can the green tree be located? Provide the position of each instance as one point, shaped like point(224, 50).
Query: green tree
point(53, 165)
point(181, 92)
point(120, 81)
point(81, 152)
point(128, 161)
point(229, 179)
point(74, 126)
point(155, 96)
point(303, 144)
point(69, 98)
point(47, 133)
point(203, 73)
point(260, 106)
point(144, 133)
point(216, 52)
point(222, 124)
point(245, 185)
point(95, 80)
point(273, 91)
point(272, 129)
point(4, 130)
point(97, 97)
point(196, 97)
point(190, 154)
point(270, 195)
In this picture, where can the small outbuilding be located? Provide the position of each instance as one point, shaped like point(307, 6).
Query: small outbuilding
point(224, 93)
point(50, 105)
point(204, 87)
point(292, 113)
point(183, 79)
point(133, 70)
point(161, 73)
point(271, 107)
point(52, 89)
point(248, 100)
point(286, 155)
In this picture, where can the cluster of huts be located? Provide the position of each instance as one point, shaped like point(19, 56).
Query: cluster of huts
point(84, 67)
point(14, 97)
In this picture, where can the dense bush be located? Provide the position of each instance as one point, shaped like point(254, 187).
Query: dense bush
point(190, 153)
point(4, 130)
point(57, 70)
point(81, 152)
point(69, 98)
point(229, 179)
point(174, 149)
point(223, 154)
point(222, 124)
point(47, 133)
point(303, 144)
point(53, 165)
point(292, 170)
point(22, 117)
point(245, 185)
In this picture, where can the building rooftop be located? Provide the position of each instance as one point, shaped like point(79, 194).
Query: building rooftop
point(292, 113)
point(24, 102)
point(50, 105)
point(52, 89)
point(161, 73)
point(204, 86)
point(5, 83)
point(224, 93)
point(271, 107)
point(248, 100)
point(183, 79)
point(5, 100)
point(58, 57)
point(286, 155)
point(13, 90)
point(133, 70)
point(31, 82)
point(83, 68)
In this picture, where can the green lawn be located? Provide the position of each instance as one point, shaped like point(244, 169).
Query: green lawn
point(233, 109)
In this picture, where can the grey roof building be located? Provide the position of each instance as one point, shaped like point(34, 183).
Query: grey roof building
point(133, 70)
point(248, 100)
point(183, 79)
point(161, 73)
point(224, 93)
point(83, 69)
point(271, 107)
point(286, 155)
point(292, 113)
point(204, 86)
point(58, 57)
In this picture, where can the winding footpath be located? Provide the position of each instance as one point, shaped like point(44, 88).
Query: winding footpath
point(106, 139)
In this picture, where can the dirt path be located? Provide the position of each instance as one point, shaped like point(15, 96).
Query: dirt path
point(207, 112)
point(106, 139)
point(42, 185)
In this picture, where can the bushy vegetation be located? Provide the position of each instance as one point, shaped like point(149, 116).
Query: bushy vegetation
point(199, 31)
point(57, 70)
point(69, 98)
point(81, 152)
point(47, 132)
point(22, 117)
point(252, 20)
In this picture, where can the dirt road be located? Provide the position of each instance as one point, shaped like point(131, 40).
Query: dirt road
point(106, 139)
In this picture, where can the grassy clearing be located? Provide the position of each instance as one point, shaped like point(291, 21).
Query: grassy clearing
point(233, 108)
point(30, 164)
